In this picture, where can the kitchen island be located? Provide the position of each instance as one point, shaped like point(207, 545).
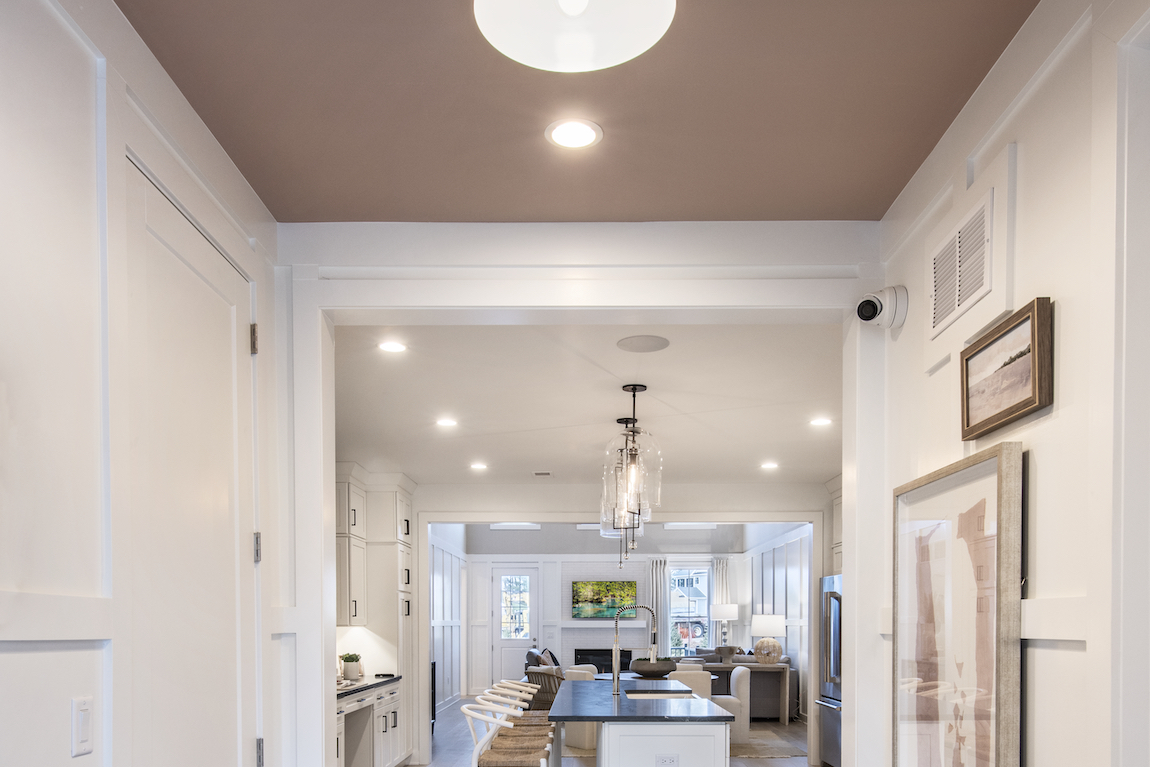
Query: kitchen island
point(672, 728)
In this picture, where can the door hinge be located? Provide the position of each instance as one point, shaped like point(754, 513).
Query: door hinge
point(259, 752)
point(259, 550)
point(255, 339)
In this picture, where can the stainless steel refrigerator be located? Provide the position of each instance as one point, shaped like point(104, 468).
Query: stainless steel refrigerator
point(830, 688)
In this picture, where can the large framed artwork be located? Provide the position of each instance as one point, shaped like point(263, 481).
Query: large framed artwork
point(1009, 372)
point(957, 613)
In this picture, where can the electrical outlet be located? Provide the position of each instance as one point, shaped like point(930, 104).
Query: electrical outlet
point(667, 760)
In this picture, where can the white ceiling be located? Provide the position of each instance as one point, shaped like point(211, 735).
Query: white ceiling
point(721, 401)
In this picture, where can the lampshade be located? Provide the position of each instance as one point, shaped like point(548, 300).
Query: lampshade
point(728, 612)
point(573, 35)
point(768, 625)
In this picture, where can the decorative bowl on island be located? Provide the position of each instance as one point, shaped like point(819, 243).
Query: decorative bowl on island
point(652, 669)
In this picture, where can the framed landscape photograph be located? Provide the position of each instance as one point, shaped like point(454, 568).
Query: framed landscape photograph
point(958, 613)
point(1009, 372)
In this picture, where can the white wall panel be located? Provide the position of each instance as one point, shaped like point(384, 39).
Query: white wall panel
point(52, 533)
point(39, 681)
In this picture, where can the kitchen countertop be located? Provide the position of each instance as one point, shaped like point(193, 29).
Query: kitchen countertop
point(366, 684)
point(587, 701)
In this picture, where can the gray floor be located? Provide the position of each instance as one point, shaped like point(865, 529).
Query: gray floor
point(451, 744)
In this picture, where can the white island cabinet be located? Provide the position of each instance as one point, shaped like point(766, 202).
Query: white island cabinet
point(636, 730)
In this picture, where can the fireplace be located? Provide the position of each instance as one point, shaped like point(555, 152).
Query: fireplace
point(602, 659)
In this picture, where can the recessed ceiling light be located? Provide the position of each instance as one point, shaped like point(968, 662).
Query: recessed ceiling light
point(445, 422)
point(479, 466)
point(643, 344)
point(770, 465)
point(392, 346)
point(820, 422)
point(574, 134)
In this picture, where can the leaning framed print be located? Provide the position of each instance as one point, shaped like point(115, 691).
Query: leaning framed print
point(957, 613)
point(1009, 372)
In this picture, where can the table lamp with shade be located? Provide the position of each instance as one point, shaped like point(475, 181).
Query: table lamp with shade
point(768, 650)
point(724, 613)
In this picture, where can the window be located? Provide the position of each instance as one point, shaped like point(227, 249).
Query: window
point(689, 622)
point(515, 606)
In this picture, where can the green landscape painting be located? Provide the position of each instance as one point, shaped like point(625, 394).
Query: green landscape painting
point(600, 599)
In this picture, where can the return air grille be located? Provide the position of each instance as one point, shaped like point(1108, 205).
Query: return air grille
point(960, 268)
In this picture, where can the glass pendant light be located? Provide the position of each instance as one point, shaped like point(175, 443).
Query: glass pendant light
point(632, 481)
point(573, 35)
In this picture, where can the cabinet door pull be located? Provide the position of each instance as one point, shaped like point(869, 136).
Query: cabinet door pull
point(353, 517)
point(406, 577)
point(407, 527)
point(354, 609)
point(384, 723)
point(394, 718)
point(407, 607)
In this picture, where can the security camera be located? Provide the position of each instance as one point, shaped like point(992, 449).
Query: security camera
point(885, 308)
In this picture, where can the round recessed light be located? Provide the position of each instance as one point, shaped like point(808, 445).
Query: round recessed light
point(769, 465)
point(573, 35)
point(392, 346)
point(820, 422)
point(573, 134)
point(643, 344)
point(445, 422)
point(479, 466)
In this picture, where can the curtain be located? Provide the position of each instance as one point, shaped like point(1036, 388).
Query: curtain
point(720, 595)
point(662, 605)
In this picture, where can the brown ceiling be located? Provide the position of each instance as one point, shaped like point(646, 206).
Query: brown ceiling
point(399, 110)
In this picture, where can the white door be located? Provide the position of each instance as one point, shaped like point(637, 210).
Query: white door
point(516, 617)
point(188, 462)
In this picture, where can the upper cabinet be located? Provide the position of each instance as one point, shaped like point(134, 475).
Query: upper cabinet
point(402, 518)
point(351, 581)
point(391, 517)
point(350, 510)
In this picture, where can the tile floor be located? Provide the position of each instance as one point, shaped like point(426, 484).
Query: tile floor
point(451, 744)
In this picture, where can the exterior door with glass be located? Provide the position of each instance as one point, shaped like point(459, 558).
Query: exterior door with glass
point(515, 618)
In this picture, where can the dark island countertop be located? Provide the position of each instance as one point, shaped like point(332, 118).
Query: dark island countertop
point(579, 701)
point(366, 684)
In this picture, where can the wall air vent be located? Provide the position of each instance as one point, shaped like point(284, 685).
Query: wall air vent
point(958, 271)
point(541, 474)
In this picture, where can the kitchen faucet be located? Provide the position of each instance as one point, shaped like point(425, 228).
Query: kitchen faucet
point(615, 646)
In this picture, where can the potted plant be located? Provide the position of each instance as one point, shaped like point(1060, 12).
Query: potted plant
point(351, 668)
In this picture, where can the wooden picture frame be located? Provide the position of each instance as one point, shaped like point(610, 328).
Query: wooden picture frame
point(1009, 372)
point(958, 613)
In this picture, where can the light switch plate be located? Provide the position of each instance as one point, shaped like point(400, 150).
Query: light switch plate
point(82, 725)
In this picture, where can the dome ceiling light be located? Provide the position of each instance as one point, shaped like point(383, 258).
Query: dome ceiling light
point(573, 35)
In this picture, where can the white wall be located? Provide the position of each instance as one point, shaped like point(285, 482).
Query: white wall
point(80, 96)
point(1042, 130)
point(449, 583)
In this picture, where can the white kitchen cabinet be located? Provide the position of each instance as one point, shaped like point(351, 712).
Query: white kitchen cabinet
point(350, 510)
point(351, 581)
point(403, 518)
point(390, 512)
point(389, 729)
point(404, 578)
point(339, 741)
